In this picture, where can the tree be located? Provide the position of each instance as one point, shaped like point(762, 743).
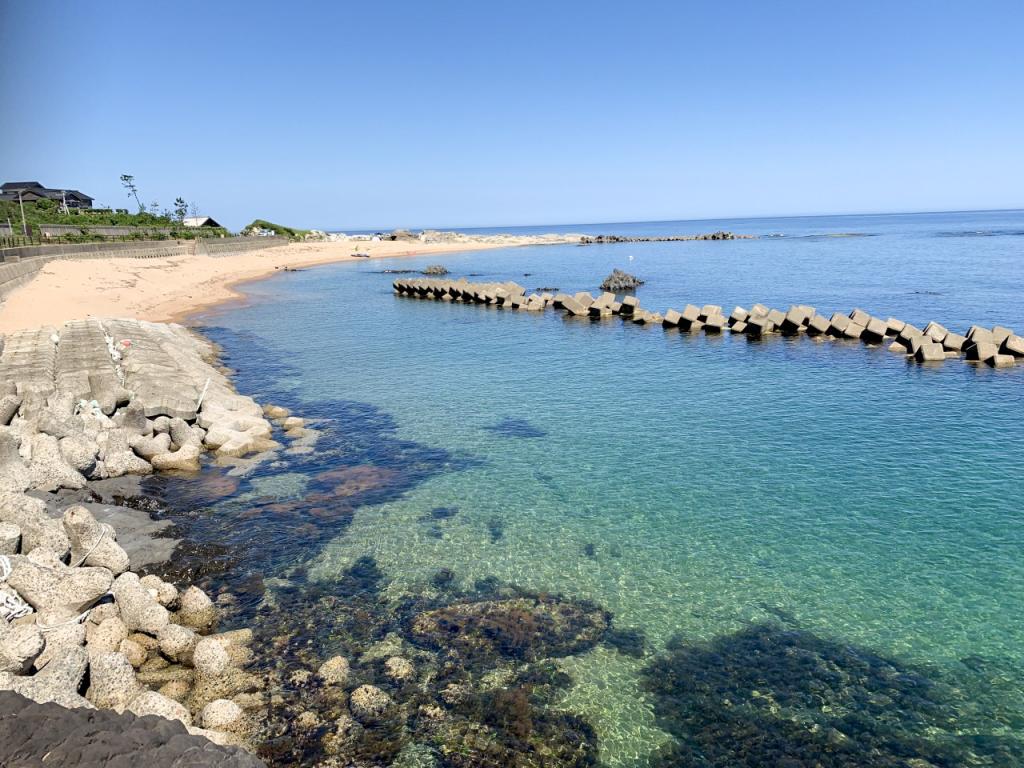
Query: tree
point(180, 209)
point(154, 208)
point(128, 181)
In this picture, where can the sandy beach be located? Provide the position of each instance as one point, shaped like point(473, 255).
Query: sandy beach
point(170, 289)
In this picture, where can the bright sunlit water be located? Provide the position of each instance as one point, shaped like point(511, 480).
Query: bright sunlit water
point(695, 485)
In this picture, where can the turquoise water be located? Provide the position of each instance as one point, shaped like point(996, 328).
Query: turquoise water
point(694, 486)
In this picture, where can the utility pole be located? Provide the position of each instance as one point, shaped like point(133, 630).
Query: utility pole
point(21, 204)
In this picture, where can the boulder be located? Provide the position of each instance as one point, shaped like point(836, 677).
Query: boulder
point(153, 703)
point(47, 584)
point(60, 640)
point(139, 609)
point(148, 446)
point(58, 682)
point(185, 459)
point(112, 682)
point(134, 651)
point(93, 543)
point(177, 643)
point(220, 715)
point(19, 647)
point(196, 610)
point(165, 593)
point(48, 469)
point(118, 457)
point(107, 636)
point(10, 538)
point(9, 405)
point(14, 476)
point(79, 451)
point(209, 658)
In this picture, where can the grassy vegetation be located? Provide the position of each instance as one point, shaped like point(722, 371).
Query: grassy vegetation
point(277, 229)
point(49, 212)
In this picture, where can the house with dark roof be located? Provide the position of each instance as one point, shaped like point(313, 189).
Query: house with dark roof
point(33, 192)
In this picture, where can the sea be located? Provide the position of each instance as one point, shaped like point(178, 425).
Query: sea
point(811, 552)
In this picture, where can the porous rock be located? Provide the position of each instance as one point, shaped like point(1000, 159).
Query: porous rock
point(334, 671)
point(48, 585)
point(139, 609)
point(196, 610)
point(112, 681)
point(153, 703)
point(368, 703)
point(93, 543)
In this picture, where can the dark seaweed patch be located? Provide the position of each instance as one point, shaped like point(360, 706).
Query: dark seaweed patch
point(628, 641)
point(439, 513)
point(510, 427)
point(496, 528)
point(769, 695)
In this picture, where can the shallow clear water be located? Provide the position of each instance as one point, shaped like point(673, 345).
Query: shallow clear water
point(694, 486)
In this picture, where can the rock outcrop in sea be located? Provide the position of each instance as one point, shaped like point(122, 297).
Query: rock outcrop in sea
point(620, 282)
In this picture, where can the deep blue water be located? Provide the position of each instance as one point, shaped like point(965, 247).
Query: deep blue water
point(695, 486)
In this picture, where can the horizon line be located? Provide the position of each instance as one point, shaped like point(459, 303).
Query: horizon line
point(662, 221)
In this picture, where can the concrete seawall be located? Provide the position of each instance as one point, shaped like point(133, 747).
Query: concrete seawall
point(998, 347)
point(19, 265)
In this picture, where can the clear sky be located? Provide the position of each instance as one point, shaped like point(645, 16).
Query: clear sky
point(384, 114)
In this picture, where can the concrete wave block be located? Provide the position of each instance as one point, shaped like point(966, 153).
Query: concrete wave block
point(930, 352)
point(1013, 345)
point(92, 544)
point(47, 584)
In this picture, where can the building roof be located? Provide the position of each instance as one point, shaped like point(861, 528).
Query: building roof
point(199, 221)
point(13, 186)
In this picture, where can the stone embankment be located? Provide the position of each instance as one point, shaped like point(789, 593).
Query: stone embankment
point(998, 347)
point(99, 399)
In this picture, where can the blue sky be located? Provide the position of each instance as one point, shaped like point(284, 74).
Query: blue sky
point(379, 114)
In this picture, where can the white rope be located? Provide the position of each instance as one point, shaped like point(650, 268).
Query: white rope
point(76, 620)
point(11, 606)
point(104, 529)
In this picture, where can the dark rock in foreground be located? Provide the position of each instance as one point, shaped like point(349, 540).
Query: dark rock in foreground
point(38, 734)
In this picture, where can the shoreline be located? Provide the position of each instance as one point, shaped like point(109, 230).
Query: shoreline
point(176, 288)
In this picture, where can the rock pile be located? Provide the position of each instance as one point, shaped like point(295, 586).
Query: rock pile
point(619, 282)
point(78, 629)
point(98, 399)
point(998, 347)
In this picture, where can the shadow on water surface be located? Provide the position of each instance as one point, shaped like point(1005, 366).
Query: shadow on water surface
point(771, 695)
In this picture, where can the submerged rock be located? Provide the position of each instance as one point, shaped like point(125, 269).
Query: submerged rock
point(528, 628)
